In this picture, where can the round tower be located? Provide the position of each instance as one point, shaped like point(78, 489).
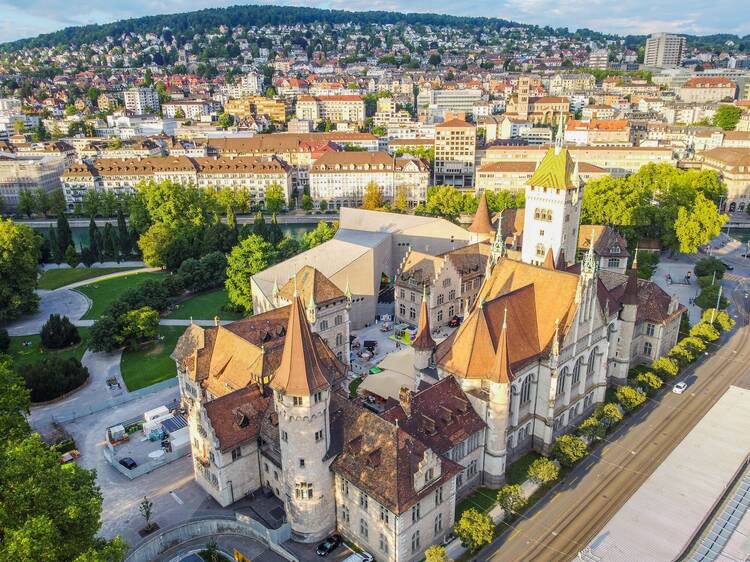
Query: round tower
point(302, 394)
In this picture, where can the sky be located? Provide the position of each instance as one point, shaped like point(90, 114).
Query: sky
point(27, 18)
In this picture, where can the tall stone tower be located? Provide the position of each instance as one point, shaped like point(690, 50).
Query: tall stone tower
point(524, 87)
point(423, 344)
point(553, 207)
point(498, 413)
point(621, 342)
point(302, 394)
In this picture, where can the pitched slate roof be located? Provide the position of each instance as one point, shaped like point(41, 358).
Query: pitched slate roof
point(301, 372)
point(606, 239)
point(440, 416)
point(381, 458)
point(236, 417)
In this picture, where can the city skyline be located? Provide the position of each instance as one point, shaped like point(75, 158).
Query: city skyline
point(635, 17)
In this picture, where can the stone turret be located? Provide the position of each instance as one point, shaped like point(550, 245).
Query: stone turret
point(619, 357)
point(302, 393)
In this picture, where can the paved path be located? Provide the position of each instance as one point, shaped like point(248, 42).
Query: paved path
point(97, 265)
point(108, 276)
point(60, 301)
point(252, 549)
point(567, 518)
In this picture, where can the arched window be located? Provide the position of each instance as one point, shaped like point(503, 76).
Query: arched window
point(526, 390)
point(561, 382)
point(577, 370)
point(591, 365)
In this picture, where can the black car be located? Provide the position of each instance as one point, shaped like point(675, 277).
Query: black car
point(729, 266)
point(128, 463)
point(329, 545)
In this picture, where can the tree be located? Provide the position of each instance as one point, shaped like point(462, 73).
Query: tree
point(19, 255)
point(26, 202)
point(681, 354)
point(64, 234)
point(629, 398)
point(592, 428)
point(287, 248)
point(708, 267)
point(709, 296)
point(307, 203)
point(71, 256)
point(4, 341)
point(225, 121)
point(694, 344)
point(41, 202)
point(259, 225)
point(139, 325)
point(665, 367)
point(323, 205)
point(444, 201)
point(569, 449)
point(475, 529)
point(250, 256)
point(92, 203)
point(434, 60)
point(110, 242)
point(59, 332)
point(543, 470)
point(699, 225)
point(274, 199)
point(14, 404)
point(649, 382)
point(400, 202)
point(154, 244)
point(718, 318)
point(105, 335)
point(511, 499)
point(323, 232)
point(436, 553)
point(145, 507)
point(609, 414)
point(727, 117)
point(57, 203)
point(96, 251)
point(275, 235)
point(123, 236)
point(372, 198)
point(52, 377)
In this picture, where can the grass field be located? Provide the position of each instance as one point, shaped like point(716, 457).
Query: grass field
point(151, 363)
point(204, 307)
point(23, 355)
point(56, 278)
point(105, 292)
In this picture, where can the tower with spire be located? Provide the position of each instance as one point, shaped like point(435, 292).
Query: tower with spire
point(481, 227)
point(622, 342)
point(302, 387)
point(423, 344)
point(553, 207)
point(498, 415)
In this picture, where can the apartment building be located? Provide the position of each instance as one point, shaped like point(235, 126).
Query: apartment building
point(598, 132)
point(708, 89)
point(345, 108)
point(455, 150)
point(190, 108)
point(733, 167)
point(341, 178)
point(250, 174)
point(513, 175)
point(255, 106)
point(564, 84)
point(664, 50)
point(453, 101)
point(598, 58)
point(31, 173)
point(142, 100)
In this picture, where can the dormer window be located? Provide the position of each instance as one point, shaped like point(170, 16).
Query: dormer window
point(615, 249)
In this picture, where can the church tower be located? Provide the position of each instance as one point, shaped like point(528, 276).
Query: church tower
point(553, 207)
point(302, 393)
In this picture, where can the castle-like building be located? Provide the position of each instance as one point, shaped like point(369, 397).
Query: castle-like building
point(540, 341)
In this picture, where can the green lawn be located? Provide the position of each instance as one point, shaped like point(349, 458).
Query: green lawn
point(24, 355)
point(105, 292)
point(516, 472)
point(151, 363)
point(204, 307)
point(482, 499)
point(56, 278)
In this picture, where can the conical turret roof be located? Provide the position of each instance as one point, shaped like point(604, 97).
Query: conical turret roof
point(482, 223)
point(423, 338)
point(301, 371)
point(549, 260)
point(501, 367)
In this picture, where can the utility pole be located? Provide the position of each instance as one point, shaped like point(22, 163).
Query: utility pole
point(718, 300)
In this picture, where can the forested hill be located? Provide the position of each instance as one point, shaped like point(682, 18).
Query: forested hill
point(202, 21)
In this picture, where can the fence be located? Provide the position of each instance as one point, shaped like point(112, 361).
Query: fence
point(74, 413)
point(239, 525)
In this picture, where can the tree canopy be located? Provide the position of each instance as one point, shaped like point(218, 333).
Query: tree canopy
point(19, 255)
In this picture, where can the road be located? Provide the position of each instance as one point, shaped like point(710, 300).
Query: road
point(567, 518)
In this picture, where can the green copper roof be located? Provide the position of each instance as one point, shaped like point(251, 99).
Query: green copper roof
point(555, 170)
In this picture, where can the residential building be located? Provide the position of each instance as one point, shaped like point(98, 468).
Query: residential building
point(32, 173)
point(256, 106)
point(564, 84)
point(598, 58)
point(455, 149)
point(733, 167)
point(708, 89)
point(344, 108)
point(341, 178)
point(610, 248)
point(454, 101)
point(664, 50)
point(142, 100)
point(190, 108)
point(598, 132)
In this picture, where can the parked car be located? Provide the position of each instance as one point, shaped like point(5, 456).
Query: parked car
point(455, 321)
point(128, 463)
point(329, 545)
point(729, 266)
point(449, 538)
point(679, 388)
point(359, 557)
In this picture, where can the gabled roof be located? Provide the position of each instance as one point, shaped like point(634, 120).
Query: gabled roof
point(301, 371)
point(236, 417)
point(310, 281)
point(555, 170)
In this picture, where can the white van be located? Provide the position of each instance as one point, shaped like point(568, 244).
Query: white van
point(359, 557)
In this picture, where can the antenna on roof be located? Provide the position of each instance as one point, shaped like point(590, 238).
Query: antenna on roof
point(560, 135)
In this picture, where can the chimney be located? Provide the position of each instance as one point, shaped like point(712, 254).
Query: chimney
point(405, 397)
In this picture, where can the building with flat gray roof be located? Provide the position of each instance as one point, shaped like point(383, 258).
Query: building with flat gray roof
point(666, 515)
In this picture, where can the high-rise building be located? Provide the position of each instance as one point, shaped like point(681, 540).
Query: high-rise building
point(664, 50)
point(455, 150)
point(598, 58)
point(142, 100)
